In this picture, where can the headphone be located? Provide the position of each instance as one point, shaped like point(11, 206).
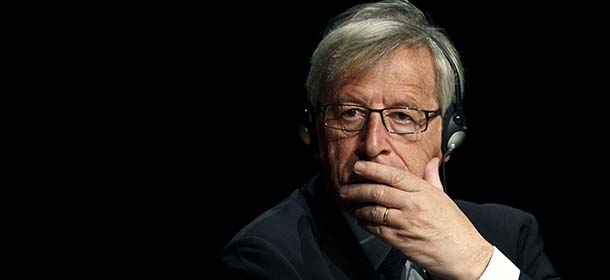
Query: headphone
point(454, 121)
point(307, 129)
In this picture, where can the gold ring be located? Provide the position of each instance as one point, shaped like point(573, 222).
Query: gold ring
point(385, 215)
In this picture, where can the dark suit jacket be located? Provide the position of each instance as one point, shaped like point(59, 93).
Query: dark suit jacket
point(306, 237)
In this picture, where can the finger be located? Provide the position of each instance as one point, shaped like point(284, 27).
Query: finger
point(379, 215)
point(374, 193)
point(431, 173)
point(388, 175)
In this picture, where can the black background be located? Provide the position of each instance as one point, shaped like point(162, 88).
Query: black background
point(227, 86)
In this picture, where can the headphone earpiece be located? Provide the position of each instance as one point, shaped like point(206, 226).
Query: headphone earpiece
point(454, 129)
point(306, 126)
point(307, 129)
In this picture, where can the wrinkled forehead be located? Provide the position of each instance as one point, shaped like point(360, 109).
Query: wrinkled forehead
point(405, 76)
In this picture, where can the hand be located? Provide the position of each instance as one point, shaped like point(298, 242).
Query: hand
point(422, 221)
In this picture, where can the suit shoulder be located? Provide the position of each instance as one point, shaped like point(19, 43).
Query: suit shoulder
point(276, 222)
point(494, 214)
point(269, 244)
point(278, 227)
point(513, 231)
point(251, 257)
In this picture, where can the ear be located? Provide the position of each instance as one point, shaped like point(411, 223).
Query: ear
point(304, 134)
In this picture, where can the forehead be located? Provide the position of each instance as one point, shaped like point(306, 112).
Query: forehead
point(406, 76)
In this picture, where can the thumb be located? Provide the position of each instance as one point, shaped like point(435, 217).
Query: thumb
point(431, 173)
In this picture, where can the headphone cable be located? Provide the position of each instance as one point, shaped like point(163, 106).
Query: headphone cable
point(444, 176)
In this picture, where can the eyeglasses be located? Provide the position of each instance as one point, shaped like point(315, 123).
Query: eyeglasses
point(397, 120)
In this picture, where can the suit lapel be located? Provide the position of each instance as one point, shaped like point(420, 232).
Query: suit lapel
point(343, 254)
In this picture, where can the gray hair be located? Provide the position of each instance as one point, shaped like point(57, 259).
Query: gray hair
point(361, 36)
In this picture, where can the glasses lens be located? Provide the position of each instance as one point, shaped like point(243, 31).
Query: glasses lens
point(405, 120)
point(346, 117)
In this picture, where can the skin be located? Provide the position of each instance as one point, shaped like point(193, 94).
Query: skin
point(372, 170)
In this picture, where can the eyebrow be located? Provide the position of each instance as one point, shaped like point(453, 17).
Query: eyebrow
point(347, 100)
point(411, 103)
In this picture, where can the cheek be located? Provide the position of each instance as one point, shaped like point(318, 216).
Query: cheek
point(431, 139)
point(341, 156)
point(416, 153)
point(434, 139)
point(339, 153)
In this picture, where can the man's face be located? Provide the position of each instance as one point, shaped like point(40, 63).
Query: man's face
point(404, 78)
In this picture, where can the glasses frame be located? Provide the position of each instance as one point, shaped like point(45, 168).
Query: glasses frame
point(430, 114)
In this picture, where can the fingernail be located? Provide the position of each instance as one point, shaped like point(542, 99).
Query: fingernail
point(359, 167)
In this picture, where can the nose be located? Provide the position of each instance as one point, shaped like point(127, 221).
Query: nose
point(375, 137)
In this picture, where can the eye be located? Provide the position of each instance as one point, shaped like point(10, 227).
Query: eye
point(400, 117)
point(403, 116)
point(353, 113)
